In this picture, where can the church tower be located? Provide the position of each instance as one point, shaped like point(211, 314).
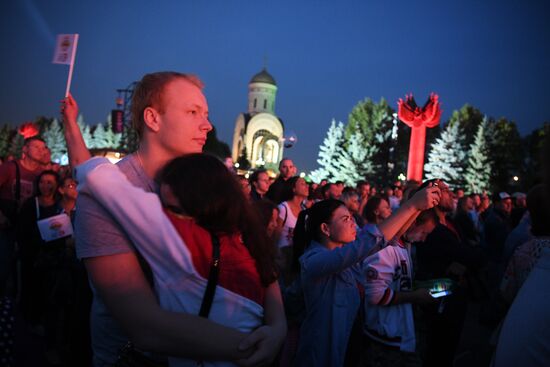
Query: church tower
point(259, 132)
point(262, 91)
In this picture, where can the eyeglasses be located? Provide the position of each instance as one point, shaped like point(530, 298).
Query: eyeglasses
point(71, 186)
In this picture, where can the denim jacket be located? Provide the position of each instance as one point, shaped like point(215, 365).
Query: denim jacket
point(329, 282)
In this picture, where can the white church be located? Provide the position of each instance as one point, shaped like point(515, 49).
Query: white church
point(259, 130)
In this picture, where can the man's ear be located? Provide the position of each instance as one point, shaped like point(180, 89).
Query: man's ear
point(151, 117)
point(325, 229)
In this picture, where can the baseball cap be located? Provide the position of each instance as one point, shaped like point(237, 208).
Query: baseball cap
point(501, 196)
point(518, 195)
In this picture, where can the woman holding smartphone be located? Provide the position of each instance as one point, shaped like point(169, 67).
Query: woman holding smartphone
point(329, 257)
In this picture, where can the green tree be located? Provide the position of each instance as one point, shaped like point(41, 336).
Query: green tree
point(85, 130)
point(388, 138)
point(330, 153)
point(446, 157)
point(478, 171)
point(55, 140)
point(5, 138)
point(130, 139)
point(16, 145)
point(505, 151)
point(533, 164)
point(100, 138)
point(355, 160)
point(468, 118)
point(43, 123)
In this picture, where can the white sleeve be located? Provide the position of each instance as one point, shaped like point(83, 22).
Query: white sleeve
point(282, 210)
point(140, 213)
point(379, 270)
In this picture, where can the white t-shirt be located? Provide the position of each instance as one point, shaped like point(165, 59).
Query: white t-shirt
point(389, 271)
point(289, 222)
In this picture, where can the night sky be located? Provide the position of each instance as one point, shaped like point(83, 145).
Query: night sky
point(325, 56)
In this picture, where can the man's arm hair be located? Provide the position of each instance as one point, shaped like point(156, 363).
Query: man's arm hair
point(127, 294)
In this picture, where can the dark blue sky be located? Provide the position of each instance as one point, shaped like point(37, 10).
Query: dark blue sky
point(324, 55)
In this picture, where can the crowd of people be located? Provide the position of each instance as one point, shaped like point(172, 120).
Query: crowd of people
point(177, 260)
point(41, 272)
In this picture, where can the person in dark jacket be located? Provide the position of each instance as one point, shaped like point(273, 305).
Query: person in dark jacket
point(287, 169)
point(464, 222)
point(498, 225)
point(444, 255)
point(259, 183)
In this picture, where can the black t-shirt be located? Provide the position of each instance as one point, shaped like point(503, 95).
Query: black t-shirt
point(441, 248)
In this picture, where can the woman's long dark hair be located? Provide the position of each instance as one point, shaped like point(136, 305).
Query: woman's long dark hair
point(369, 210)
point(210, 193)
point(308, 227)
point(287, 193)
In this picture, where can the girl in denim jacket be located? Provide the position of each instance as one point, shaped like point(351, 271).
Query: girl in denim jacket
point(328, 256)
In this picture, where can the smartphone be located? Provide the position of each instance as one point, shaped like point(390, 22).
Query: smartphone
point(442, 293)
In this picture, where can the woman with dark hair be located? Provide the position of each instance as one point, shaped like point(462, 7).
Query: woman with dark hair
point(43, 261)
point(204, 206)
point(328, 256)
point(269, 218)
point(295, 192)
point(42, 205)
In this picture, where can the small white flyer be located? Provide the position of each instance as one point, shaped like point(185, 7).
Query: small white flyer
point(55, 227)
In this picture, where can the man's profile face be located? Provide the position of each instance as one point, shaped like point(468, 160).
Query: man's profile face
point(446, 199)
point(287, 169)
point(184, 121)
point(334, 192)
point(364, 190)
point(353, 204)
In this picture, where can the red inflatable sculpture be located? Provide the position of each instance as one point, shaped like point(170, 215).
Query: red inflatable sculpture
point(28, 130)
point(418, 119)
